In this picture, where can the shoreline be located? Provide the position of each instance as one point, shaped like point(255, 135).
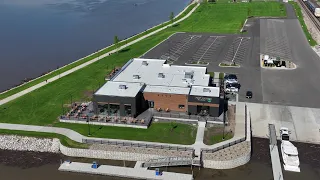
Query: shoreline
point(260, 154)
point(29, 80)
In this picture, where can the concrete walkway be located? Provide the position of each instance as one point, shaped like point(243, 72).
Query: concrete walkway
point(37, 86)
point(199, 138)
point(75, 136)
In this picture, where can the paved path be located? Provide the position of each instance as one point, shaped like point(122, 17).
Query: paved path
point(37, 86)
point(75, 136)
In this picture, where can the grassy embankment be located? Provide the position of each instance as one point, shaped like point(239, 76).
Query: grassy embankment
point(297, 8)
point(43, 106)
point(97, 54)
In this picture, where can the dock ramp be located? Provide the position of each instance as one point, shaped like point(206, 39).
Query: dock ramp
point(171, 161)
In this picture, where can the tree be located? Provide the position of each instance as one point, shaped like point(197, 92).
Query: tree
point(171, 17)
point(116, 42)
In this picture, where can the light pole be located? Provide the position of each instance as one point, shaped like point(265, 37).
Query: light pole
point(224, 114)
point(88, 120)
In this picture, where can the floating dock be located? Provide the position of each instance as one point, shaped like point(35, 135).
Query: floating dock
point(274, 154)
point(136, 173)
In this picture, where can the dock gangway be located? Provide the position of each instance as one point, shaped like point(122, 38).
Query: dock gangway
point(171, 161)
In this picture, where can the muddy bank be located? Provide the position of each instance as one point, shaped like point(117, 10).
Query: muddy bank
point(28, 159)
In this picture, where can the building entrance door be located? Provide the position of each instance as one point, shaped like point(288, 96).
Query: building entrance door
point(203, 110)
point(151, 104)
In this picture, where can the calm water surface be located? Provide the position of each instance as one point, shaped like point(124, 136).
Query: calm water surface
point(39, 35)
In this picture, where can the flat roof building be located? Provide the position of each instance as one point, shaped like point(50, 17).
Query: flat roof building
point(151, 83)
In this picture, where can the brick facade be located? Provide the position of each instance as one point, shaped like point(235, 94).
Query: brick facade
point(171, 101)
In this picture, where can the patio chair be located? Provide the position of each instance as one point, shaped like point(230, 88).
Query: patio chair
point(108, 119)
point(167, 110)
point(134, 121)
point(142, 121)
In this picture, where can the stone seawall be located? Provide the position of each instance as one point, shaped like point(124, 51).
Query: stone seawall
point(21, 143)
point(122, 153)
point(228, 158)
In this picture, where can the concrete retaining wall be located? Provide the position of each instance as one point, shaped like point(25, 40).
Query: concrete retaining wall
point(117, 154)
point(229, 164)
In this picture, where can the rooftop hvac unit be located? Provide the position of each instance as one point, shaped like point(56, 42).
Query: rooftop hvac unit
point(136, 77)
point(122, 86)
point(206, 90)
point(188, 75)
point(145, 63)
point(161, 75)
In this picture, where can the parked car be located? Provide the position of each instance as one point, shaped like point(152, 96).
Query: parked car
point(249, 94)
point(231, 78)
point(232, 90)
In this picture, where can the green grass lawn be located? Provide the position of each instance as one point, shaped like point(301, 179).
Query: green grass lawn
point(228, 17)
point(44, 105)
point(157, 132)
point(218, 138)
point(297, 8)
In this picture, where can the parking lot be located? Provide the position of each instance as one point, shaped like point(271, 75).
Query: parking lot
point(281, 38)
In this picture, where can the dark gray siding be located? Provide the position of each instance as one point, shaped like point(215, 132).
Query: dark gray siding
point(116, 99)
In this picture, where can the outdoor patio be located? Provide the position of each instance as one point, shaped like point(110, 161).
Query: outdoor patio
point(83, 113)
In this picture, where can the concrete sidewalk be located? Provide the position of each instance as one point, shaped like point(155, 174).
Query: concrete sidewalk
point(198, 145)
point(37, 86)
point(75, 136)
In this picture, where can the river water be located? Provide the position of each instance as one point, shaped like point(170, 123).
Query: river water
point(37, 36)
point(38, 166)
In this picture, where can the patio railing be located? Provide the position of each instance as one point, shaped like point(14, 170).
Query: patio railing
point(185, 116)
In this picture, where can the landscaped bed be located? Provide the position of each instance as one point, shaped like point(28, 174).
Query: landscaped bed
point(217, 132)
point(43, 106)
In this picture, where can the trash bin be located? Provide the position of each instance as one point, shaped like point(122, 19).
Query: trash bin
point(158, 172)
point(94, 165)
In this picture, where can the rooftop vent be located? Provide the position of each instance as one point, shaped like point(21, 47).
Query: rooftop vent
point(188, 75)
point(122, 86)
point(145, 63)
point(136, 77)
point(206, 90)
point(166, 65)
point(161, 75)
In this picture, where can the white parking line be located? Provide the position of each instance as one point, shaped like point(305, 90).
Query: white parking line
point(237, 50)
point(183, 44)
point(207, 49)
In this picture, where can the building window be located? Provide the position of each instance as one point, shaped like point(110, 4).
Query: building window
point(151, 104)
point(127, 109)
point(181, 106)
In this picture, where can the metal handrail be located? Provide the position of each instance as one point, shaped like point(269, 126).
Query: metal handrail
point(232, 142)
point(130, 144)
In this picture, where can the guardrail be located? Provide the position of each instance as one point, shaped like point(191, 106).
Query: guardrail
point(143, 145)
point(184, 116)
point(233, 142)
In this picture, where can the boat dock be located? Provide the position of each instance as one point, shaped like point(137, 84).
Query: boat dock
point(136, 173)
point(274, 153)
